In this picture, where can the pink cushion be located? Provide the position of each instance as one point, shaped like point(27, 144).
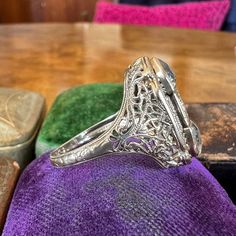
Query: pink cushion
point(207, 15)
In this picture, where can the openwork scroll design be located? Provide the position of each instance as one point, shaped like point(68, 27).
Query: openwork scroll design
point(146, 126)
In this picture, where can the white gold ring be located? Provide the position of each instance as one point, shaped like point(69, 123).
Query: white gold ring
point(152, 120)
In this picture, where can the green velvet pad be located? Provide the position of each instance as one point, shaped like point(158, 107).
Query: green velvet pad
point(75, 110)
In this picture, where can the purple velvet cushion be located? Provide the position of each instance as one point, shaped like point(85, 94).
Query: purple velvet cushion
point(119, 195)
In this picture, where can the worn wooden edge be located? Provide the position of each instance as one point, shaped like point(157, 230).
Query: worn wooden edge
point(9, 173)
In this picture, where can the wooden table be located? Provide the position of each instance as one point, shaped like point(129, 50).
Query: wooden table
point(49, 58)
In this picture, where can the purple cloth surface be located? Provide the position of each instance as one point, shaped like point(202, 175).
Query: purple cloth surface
point(125, 194)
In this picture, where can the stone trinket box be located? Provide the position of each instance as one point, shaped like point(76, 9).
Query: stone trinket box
point(21, 114)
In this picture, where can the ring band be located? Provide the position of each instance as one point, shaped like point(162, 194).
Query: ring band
point(152, 120)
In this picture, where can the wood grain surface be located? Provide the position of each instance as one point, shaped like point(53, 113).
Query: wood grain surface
point(49, 58)
point(9, 171)
point(14, 11)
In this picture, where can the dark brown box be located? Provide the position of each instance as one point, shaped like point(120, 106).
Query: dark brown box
point(217, 123)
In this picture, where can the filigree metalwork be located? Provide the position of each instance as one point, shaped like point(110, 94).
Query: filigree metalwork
point(146, 126)
point(152, 121)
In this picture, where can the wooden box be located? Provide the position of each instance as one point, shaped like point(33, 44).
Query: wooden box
point(9, 171)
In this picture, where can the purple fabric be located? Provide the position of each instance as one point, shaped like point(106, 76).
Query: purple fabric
point(207, 15)
point(119, 195)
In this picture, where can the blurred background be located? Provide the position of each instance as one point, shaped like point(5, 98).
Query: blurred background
point(28, 11)
point(14, 11)
point(45, 59)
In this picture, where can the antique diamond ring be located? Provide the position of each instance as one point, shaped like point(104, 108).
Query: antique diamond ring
point(152, 120)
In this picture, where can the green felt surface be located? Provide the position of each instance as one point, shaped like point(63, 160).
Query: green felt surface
point(77, 109)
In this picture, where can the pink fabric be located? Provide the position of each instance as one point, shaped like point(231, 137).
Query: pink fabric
point(207, 15)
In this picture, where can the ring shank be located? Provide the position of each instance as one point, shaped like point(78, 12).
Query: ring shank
point(84, 137)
